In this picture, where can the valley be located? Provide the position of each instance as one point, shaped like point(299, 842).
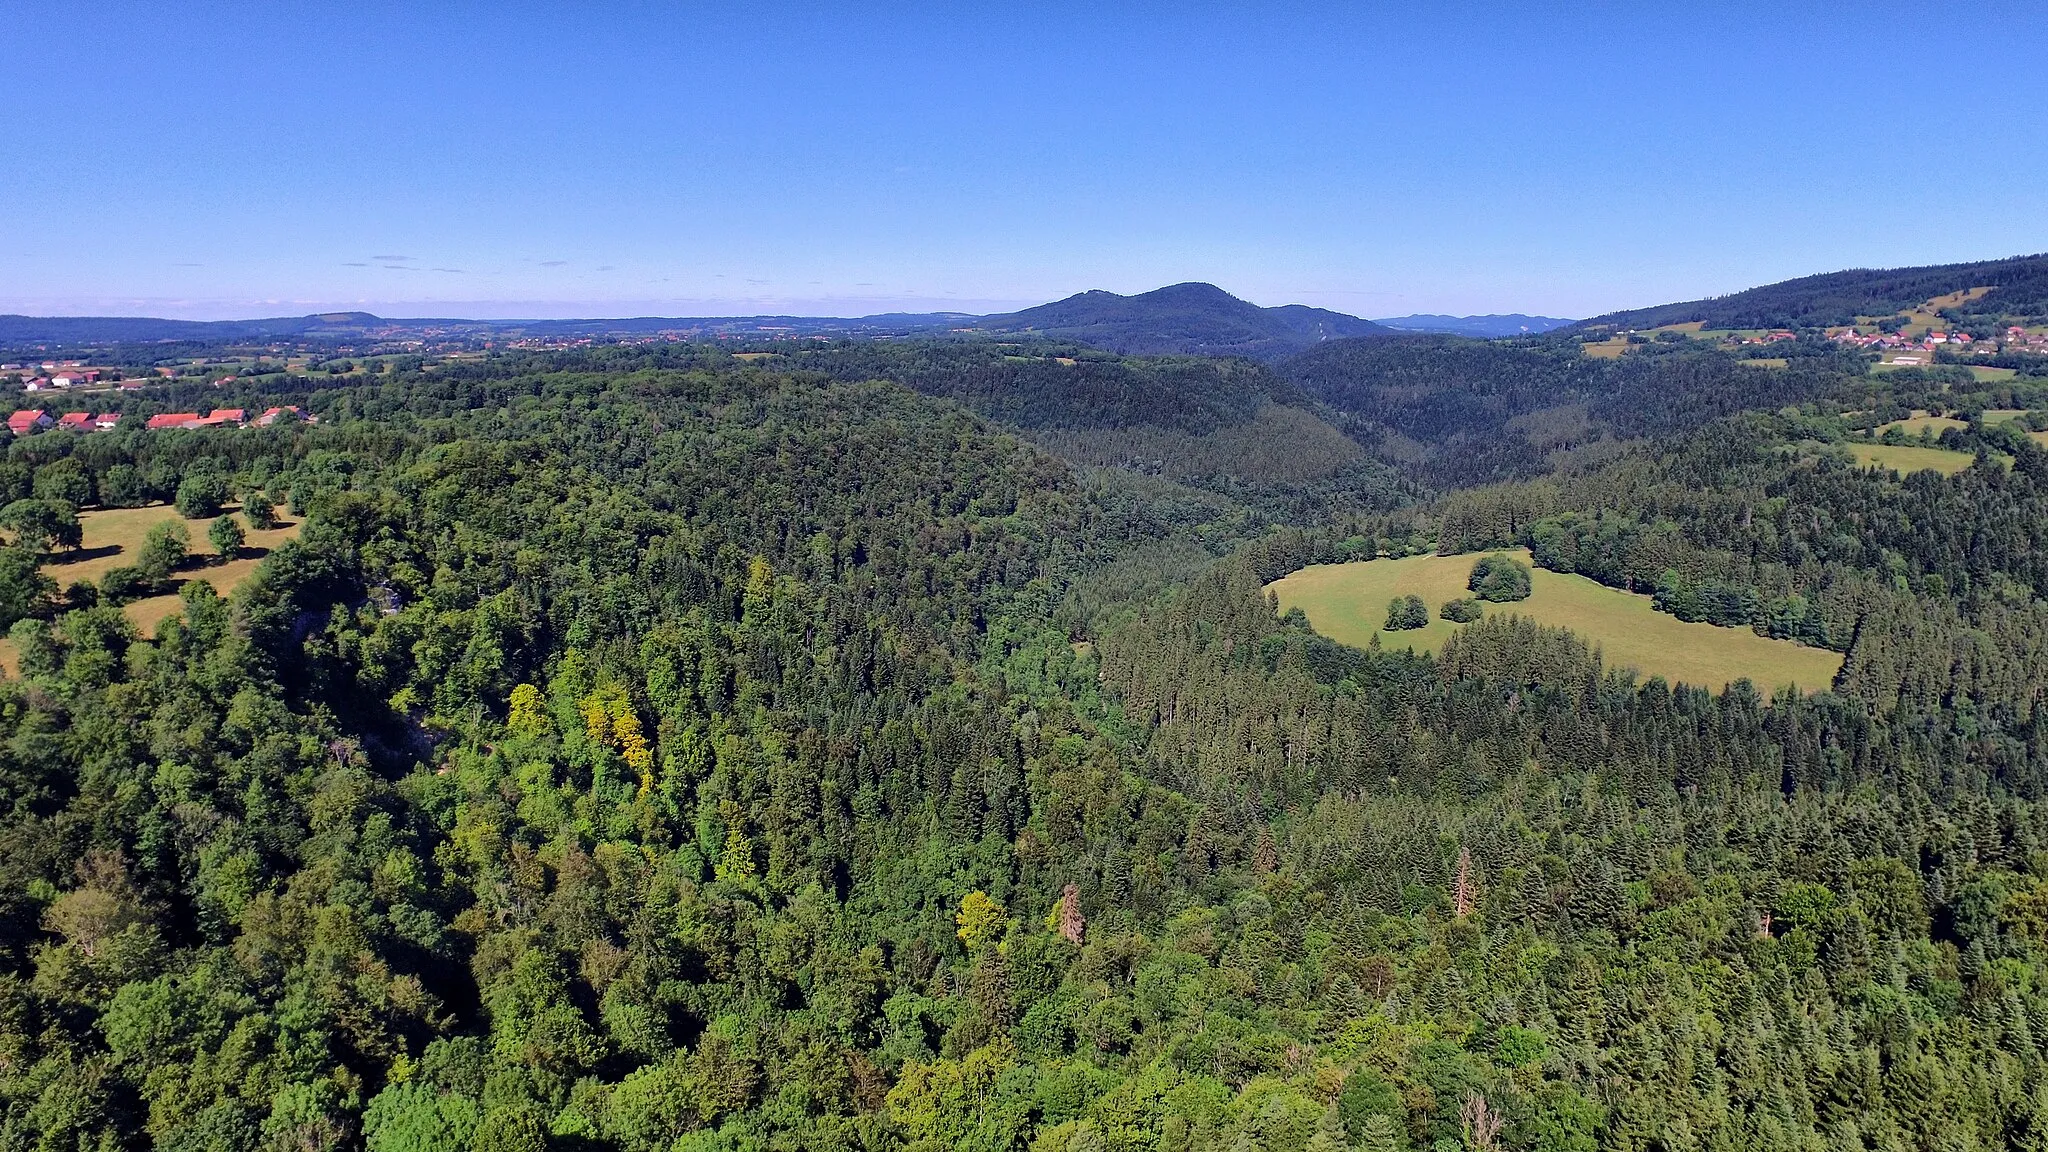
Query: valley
point(947, 731)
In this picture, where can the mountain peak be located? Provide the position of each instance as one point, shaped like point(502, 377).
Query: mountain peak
point(1190, 317)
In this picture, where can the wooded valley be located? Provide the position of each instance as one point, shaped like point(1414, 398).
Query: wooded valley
point(892, 745)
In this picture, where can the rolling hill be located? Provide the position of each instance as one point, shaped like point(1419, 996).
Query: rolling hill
point(1511, 324)
point(2019, 287)
point(342, 327)
point(1182, 318)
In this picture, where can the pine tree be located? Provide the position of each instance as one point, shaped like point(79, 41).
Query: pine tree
point(1265, 853)
point(1071, 921)
point(1463, 895)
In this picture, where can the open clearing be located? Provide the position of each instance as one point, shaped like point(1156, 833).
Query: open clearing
point(1348, 603)
point(111, 538)
point(2008, 415)
point(1922, 422)
point(1906, 458)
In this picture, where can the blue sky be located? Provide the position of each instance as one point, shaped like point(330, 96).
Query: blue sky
point(613, 159)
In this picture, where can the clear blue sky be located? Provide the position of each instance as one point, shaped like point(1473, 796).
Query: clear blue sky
point(607, 159)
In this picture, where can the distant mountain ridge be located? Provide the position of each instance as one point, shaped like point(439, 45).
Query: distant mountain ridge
point(1191, 318)
point(1485, 327)
point(87, 329)
point(2019, 286)
point(355, 326)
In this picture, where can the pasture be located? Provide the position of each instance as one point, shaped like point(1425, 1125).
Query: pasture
point(1906, 459)
point(1922, 422)
point(1348, 603)
point(113, 536)
point(2008, 415)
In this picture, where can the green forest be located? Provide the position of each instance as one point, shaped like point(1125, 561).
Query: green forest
point(646, 749)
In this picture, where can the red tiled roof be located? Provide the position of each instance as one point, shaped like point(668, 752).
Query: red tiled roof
point(175, 420)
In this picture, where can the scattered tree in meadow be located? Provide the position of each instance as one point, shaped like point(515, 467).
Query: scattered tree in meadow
point(1499, 578)
point(201, 495)
point(163, 550)
point(1462, 610)
point(1406, 612)
point(226, 536)
point(41, 525)
point(260, 510)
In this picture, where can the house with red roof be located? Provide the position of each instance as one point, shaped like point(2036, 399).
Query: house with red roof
point(28, 420)
point(288, 413)
point(224, 416)
point(106, 421)
point(175, 420)
point(76, 421)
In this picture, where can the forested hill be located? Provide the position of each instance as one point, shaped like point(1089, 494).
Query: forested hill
point(2019, 287)
point(1059, 385)
point(1470, 411)
point(1182, 318)
point(1220, 422)
point(646, 750)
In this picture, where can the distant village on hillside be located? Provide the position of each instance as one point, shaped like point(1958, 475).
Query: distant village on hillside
point(29, 421)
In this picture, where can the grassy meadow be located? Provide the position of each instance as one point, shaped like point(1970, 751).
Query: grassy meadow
point(1920, 422)
point(1348, 603)
point(2007, 415)
point(1908, 458)
point(112, 537)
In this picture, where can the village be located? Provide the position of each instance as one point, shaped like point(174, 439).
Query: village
point(29, 421)
point(2013, 339)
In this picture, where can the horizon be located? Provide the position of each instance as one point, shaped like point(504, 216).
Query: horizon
point(511, 317)
point(1378, 164)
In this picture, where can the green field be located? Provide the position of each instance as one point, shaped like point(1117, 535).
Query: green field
point(2008, 415)
point(1922, 422)
point(1907, 458)
point(1348, 603)
point(112, 536)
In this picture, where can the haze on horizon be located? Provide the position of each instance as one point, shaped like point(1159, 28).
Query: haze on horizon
point(228, 161)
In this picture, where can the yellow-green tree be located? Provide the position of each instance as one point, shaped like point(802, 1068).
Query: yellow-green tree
point(528, 713)
point(736, 862)
point(979, 919)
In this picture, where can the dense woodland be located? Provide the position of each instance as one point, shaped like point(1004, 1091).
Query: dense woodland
point(2019, 289)
point(645, 749)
